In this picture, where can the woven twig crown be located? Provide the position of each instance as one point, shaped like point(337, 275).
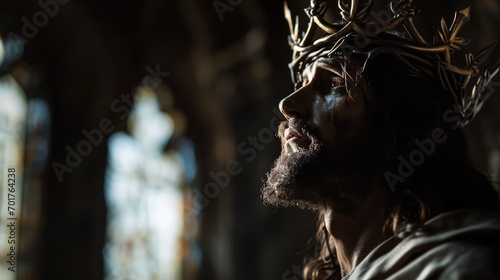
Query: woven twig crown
point(468, 85)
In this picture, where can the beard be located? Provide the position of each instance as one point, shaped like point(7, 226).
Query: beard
point(293, 177)
point(311, 176)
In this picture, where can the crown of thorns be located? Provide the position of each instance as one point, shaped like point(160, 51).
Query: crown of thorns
point(468, 86)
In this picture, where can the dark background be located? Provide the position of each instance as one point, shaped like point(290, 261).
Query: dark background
point(227, 75)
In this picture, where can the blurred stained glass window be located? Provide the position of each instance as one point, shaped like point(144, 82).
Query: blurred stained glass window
point(37, 152)
point(146, 179)
point(13, 109)
point(24, 146)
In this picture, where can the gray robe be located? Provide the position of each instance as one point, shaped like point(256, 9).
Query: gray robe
point(462, 244)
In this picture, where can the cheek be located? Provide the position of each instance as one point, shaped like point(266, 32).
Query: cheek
point(326, 109)
point(347, 118)
point(354, 120)
point(351, 112)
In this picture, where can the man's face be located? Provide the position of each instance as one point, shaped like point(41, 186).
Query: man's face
point(327, 134)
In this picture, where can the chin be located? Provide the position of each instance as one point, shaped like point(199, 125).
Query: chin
point(310, 178)
point(290, 182)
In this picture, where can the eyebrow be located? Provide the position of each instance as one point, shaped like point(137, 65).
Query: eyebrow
point(326, 63)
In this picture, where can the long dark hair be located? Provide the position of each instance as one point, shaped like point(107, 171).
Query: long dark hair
point(412, 109)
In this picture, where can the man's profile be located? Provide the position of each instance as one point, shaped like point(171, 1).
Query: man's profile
point(373, 143)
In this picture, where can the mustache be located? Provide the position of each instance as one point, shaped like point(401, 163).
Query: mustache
point(297, 128)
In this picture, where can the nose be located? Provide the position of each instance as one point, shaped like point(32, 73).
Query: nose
point(295, 104)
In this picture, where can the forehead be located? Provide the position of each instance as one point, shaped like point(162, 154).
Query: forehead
point(330, 64)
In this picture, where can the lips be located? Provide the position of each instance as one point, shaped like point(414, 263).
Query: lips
point(295, 141)
point(291, 132)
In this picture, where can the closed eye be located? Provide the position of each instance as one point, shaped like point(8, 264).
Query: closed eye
point(327, 82)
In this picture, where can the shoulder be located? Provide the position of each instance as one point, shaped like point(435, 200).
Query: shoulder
point(471, 259)
point(462, 244)
point(459, 258)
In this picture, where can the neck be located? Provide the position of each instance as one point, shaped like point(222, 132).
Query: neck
point(358, 230)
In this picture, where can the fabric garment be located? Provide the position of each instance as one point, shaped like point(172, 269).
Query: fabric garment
point(461, 244)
